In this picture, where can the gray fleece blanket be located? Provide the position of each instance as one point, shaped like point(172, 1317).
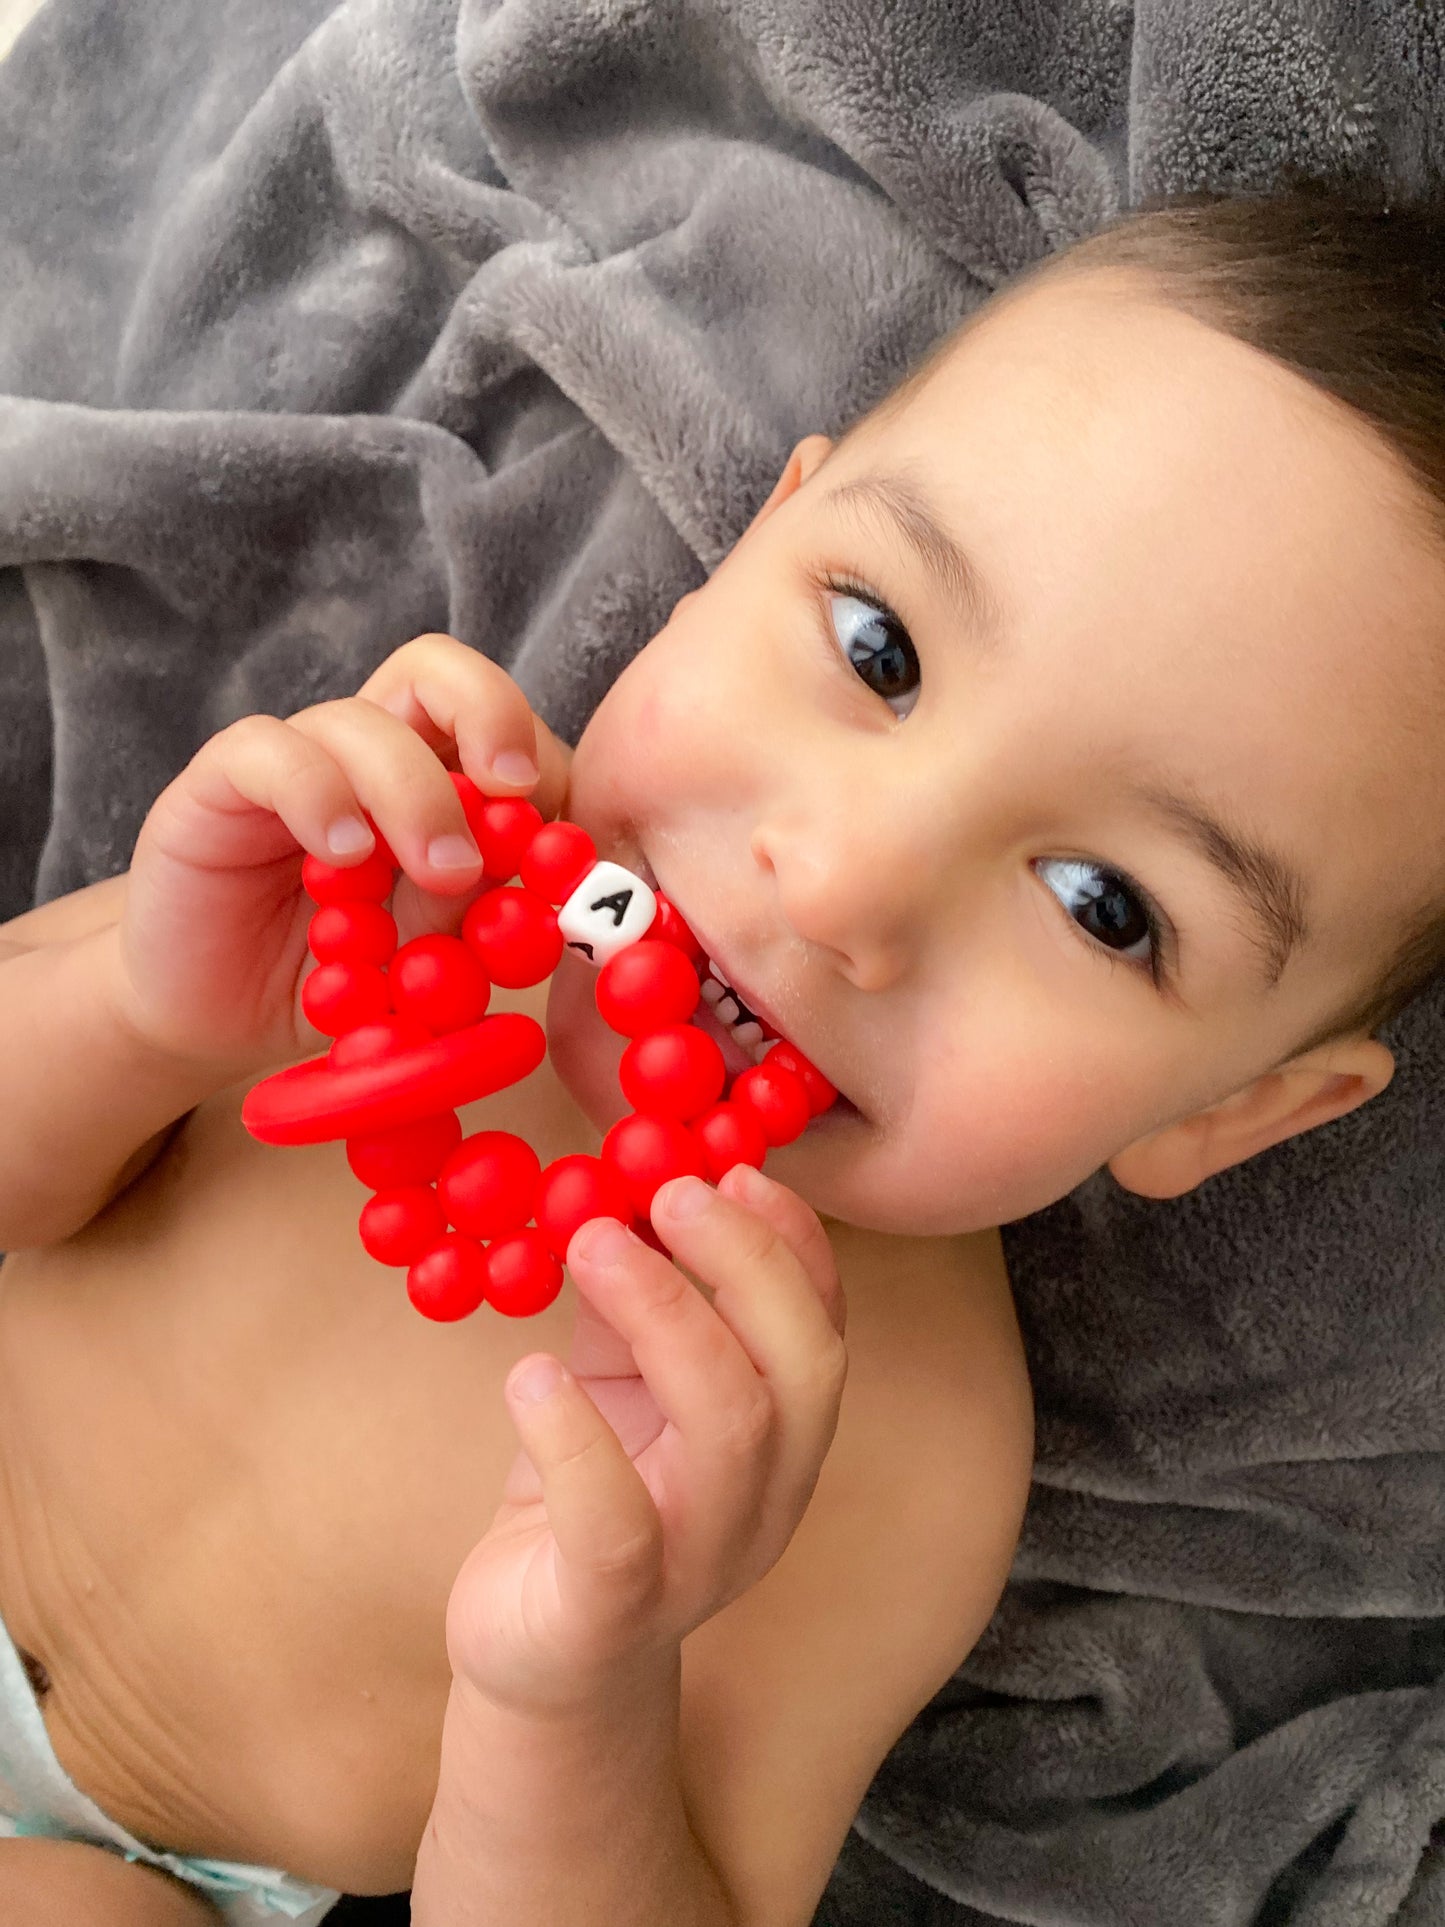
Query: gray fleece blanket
point(322, 324)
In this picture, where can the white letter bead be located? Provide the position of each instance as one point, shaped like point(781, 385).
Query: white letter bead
point(609, 909)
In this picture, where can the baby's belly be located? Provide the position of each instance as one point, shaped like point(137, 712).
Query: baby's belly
point(240, 1475)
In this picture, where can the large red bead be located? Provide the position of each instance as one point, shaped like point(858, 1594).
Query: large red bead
point(449, 1281)
point(646, 1151)
point(557, 859)
point(668, 927)
point(339, 996)
point(729, 1134)
point(676, 1072)
point(820, 1093)
point(404, 1153)
point(776, 1098)
point(373, 1043)
point(399, 1224)
point(352, 933)
point(369, 881)
point(523, 1276)
point(515, 936)
point(574, 1189)
point(437, 980)
point(645, 986)
point(502, 826)
point(489, 1184)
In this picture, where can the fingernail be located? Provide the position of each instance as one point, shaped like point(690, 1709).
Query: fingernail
point(686, 1198)
point(453, 853)
point(749, 1184)
point(535, 1379)
point(347, 835)
point(514, 766)
point(603, 1241)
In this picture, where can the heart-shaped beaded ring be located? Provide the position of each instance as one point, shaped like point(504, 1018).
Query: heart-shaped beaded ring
point(477, 1219)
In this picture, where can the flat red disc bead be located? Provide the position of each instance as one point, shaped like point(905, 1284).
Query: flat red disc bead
point(369, 881)
point(646, 1151)
point(557, 859)
point(503, 827)
point(449, 1281)
point(729, 1134)
point(404, 1153)
point(373, 1043)
point(438, 980)
point(488, 1185)
point(574, 1189)
point(645, 986)
point(523, 1276)
point(821, 1094)
point(777, 1098)
point(668, 927)
point(675, 1072)
point(514, 935)
point(339, 996)
point(352, 933)
point(400, 1223)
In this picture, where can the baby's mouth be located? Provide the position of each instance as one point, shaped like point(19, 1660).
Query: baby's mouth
point(739, 1033)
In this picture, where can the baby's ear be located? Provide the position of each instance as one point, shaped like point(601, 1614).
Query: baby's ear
point(1308, 1091)
point(808, 456)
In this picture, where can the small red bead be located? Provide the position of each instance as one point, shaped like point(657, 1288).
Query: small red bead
point(676, 1072)
point(352, 933)
point(645, 986)
point(369, 881)
point(339, 996)
point(404, 1153)
point(503, 827)
point(668, 927)
point(372, 1043)
point(574, 1189)
point(645, 1152)
point(489, 1184)
point(515, 936)
point(777, 1098)
point(400, 1223)
point(523, 1277)
point(729, 1134)
point(557, 859)
point(820, 1093)
point(449, 1281)
point(437, 980)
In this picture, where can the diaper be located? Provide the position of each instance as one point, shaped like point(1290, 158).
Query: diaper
point(37, 1797)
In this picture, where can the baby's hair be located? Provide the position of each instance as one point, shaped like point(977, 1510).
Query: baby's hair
point(1346, 286)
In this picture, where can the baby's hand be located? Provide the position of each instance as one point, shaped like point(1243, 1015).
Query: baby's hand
point(611, 1545)
point(212, 937)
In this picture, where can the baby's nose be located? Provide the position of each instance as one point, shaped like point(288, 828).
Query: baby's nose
point(859, 896)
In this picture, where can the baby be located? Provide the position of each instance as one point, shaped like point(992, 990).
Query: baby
point(1054, 761)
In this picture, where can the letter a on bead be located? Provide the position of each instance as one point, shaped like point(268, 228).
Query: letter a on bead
point(610, 909)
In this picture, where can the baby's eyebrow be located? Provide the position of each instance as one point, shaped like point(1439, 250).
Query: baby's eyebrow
point(1268, 884)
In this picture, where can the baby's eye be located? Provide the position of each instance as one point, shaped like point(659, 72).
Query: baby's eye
point(878, 647)
point(1107, 908)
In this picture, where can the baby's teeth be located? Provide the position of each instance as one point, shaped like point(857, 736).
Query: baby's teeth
point(762, 1047)
point(748, 1034)
point(717, 972)
point(711, 990)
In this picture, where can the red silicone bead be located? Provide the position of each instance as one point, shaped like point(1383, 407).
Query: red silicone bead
point(515, 936)
point(372, 1043)
point(352, 933)
point(488, 1184)
point(399, 1224)
point(369, 881)
point(503, 827)
point(820, 1093)
point(557, 859)
point(677, 1072)
point(523, 1277)
point(574, 1189)
point(668, 927)
point(645, 986)
point(729, 1134)
point(777, 1098)
point(646, 1151)
point(437, 980)
point(339, 996)
point(404, 1153)
point(449, 1281)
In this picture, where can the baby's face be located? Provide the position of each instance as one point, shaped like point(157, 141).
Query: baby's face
point(912, 799)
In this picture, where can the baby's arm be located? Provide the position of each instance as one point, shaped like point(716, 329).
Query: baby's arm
point(59, 1883)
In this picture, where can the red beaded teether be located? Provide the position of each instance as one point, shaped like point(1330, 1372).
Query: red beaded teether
point(477, 1219)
